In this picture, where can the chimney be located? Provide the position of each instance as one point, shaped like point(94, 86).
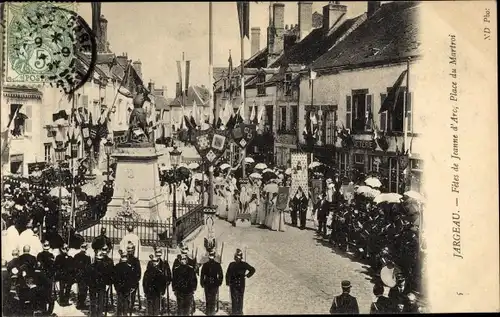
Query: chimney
point(255, 41)
point(164, 89)
point(138, 67)
point(275, 33)
point(122, 59)
point(372, 7)
point(103, 45)
point(177, 89)
point(151, 87)
point(305, 18)
point(333, 14)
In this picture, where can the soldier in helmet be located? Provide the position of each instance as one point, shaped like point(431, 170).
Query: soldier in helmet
point(236, 273)
point(154, 284)
point(109, 266)
point(124, 281)
point(137, 272)
point(165, 268)
point(191, 262)
point(46, 258)
point(82, 264)
point(97, 285)
point(64, 274)
point(131, 238)
point(210, 280)
point(101, 241)
point(184, 285)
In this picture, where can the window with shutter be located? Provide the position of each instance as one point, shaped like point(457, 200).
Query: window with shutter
point(383, 115)
point(348, 118)
point(28, 123)
point(369, 112)
point(409, 113)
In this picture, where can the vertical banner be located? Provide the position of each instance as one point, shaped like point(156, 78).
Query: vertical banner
point(299, 173)
point(316, 189)
point(188, 66)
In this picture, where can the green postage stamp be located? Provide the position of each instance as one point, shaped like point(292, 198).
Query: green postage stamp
point(47, 42)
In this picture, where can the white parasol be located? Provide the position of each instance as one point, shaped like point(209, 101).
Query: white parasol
point(288, 171)
point(63, 191)
point(260, 166)
point(271, 188)
point(193, 166)
point(315, 164)
point(224, 166)
point(182, 165)
point(249, 160)
point(268, 170)
point(373, 182)
point(411, 194)
point(256, 176)
point(388, 198)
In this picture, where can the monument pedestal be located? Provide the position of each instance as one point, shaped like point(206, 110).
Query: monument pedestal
point(137, 181)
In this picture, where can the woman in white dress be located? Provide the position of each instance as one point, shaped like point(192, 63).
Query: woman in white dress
point(275, 215)
point(271, 208)
point(252, 209)
point(222, 204)
point(261, 210)
point(232, 206)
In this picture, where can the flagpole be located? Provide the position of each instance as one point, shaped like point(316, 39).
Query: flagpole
point(212, 106)
point(312, 126)
point(242, 36)
point(405, 128)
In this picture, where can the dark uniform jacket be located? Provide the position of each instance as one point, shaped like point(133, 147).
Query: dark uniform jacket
point(46, 259)
point(398, 297)
point(344, 304)
point(100, 275)
point(27, 261)
point(236, 272)
point(43, 289)
point(191, 262)
point(63, 266)
point(322, 209)
point(81, 264)
point(299, 203)
point(211, 274)
point(136, 269)
point(14, 263)
point(100, 241)
point(184, 280)
point(154, 282)
point(383, 305)
point(124, 277)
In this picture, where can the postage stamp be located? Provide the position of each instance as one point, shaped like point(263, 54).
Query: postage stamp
point(47, 42)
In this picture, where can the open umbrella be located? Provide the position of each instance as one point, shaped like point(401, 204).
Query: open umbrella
point(193, 166)
point(249, 160)
point(224, 166)
point(59, 190)
point(269, 174)
point(271, 188)
point(93, 188)
point(267, 170)
point(260, 166)
point(373, 182)
point(388, 198)
point(315, 164)
point(411, 194)
point(288, 171)
point(183, 171)
point(256, 175)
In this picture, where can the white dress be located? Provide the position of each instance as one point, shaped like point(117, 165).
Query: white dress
point(252, 210)
point(222, 206)
point(232, 207)
point(261, 212)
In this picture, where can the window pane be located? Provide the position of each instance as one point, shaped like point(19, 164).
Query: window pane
point(348, 121)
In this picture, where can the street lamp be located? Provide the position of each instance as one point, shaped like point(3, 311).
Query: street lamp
point(108, 149)
point(175, 158)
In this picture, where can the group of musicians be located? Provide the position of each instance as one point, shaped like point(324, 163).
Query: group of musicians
point(31, 280)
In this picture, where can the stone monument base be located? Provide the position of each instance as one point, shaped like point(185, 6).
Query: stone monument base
point(137, 181)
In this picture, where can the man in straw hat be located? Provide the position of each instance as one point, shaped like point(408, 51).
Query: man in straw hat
point(345, 303)
point(210, 280)
point(236, 273)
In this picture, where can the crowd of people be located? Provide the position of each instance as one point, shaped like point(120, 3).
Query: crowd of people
point(34, 281)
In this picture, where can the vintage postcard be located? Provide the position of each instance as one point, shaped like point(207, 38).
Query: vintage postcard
point(263, 158)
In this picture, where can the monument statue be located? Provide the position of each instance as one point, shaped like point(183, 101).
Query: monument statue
point(138, 126)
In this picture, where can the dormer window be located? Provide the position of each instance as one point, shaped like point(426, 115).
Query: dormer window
point(288, 85)
point(261, 89)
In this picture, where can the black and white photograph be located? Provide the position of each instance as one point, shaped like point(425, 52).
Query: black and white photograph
point(220, 158)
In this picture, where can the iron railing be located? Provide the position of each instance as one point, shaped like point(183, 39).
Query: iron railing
point(188, 222)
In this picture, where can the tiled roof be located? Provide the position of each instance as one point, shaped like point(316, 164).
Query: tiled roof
point(390, 34)
point(313, 45)
point(162, 103)
point(195, 93)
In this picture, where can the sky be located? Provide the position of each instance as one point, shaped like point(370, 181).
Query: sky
point(157, 33)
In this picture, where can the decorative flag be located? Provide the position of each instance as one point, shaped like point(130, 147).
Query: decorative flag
point(6, 137)
point(188, 66)
point(240, 116)
point(261, 113)
point(253, 114)
point(390, 102)
point(244, 18)
point(312, 76)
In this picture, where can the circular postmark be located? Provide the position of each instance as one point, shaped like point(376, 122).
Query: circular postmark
point(51, 44)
